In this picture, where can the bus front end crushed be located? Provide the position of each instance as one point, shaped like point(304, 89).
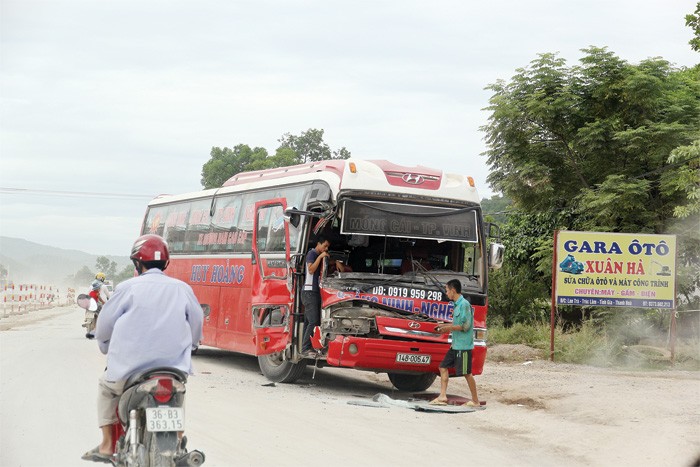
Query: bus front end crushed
point(364, 336)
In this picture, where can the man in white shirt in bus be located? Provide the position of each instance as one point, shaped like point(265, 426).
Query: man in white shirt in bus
point(151, 320)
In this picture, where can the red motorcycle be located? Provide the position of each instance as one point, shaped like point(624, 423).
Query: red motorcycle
point(151, 422)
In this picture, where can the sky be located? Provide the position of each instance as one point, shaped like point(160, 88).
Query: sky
point(106, 104)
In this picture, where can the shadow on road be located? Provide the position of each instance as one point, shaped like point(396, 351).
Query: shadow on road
point(342, 382)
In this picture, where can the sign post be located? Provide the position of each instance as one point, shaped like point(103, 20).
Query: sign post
point(554, 300)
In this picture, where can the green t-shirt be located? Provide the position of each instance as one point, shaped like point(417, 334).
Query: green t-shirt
point(463, 315)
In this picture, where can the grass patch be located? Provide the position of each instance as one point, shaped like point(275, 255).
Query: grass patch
point(533, 335)
point(591, 344)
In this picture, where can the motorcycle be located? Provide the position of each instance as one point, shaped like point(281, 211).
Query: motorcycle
point(92, 310)
point(151, 418)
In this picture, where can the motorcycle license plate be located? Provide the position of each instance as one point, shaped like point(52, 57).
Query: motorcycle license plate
point(418, 359)
point(165, 419)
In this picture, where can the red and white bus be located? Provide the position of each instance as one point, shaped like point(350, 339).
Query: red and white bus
point(403, 232)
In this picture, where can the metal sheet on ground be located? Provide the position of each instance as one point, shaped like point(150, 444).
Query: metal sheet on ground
point(382, 400)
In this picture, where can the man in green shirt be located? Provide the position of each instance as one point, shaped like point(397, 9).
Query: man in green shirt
point(459, 356)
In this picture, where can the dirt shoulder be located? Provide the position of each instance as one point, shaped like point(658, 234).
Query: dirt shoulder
point(597, 416)
point(14, 320)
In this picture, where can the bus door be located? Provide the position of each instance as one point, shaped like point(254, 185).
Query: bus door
point(271, 297)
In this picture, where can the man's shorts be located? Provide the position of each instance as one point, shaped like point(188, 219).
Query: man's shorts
point(460, 360)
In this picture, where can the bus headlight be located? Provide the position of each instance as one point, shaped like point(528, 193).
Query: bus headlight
point(480, 334)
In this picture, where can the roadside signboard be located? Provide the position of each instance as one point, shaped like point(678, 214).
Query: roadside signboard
point(615, 269)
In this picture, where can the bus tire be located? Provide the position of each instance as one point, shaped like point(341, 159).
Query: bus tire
point(404, 382)
point(276, 368)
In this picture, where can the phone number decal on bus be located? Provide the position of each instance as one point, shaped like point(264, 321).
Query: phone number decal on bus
point(407, 292)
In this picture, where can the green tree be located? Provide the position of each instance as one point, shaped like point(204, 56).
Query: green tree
point(596, 146)
point(84, 276)
point(124, 274)
point(307, 147)
point(310, 147)
point(3, 271)
point(685, 179)
point(104, 265)
point(693, 21)
point(495, 209)
point(226, 162)
point(556, 130)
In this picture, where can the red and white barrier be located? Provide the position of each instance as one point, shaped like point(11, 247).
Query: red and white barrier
point(19, 299)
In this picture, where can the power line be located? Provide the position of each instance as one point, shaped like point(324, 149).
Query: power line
point(78, 194)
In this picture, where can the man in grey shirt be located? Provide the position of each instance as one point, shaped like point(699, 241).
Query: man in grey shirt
point(150, 321)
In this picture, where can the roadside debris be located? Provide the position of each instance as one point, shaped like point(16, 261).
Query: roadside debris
point(382, 400)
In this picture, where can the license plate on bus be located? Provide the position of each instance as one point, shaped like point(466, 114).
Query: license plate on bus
point(414, 358)
point(165, 419)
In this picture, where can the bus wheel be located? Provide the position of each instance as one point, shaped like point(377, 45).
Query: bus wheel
point(404, 382)
point(277, 369)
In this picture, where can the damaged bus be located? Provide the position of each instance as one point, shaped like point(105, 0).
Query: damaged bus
point(402, 232)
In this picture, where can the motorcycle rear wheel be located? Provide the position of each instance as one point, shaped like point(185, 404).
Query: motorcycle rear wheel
point(161, 447)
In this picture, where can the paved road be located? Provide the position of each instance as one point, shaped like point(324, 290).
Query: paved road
point(48, 379)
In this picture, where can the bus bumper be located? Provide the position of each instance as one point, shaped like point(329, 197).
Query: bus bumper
point(383, 355)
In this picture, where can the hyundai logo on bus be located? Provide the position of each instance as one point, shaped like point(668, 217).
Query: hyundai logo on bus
point(413, 179)
point(413, 325)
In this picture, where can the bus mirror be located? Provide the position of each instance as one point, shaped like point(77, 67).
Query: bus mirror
point(493, 230)
point(496, 251)
point(292, 216)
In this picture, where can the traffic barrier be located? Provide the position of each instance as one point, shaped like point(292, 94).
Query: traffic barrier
point(19, 299)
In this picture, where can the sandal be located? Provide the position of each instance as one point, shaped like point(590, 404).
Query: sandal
point(437, 401)
point(95, 455)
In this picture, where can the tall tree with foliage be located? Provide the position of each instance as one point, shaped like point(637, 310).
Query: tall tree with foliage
point(106, 266)
point(226, 162)
point(82, 278)
point(693, 21)
point(124, 274)
point(307, 147)
point(310, 147)
point(587, 147)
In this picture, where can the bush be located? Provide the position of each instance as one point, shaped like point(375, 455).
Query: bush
point(535, 335)
point(595, 343)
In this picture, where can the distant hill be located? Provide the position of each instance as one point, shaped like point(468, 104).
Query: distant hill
point(30, 262)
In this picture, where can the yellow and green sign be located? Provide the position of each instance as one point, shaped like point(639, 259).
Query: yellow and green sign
point(611, 269)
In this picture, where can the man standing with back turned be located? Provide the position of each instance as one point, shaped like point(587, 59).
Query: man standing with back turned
point(459, 356)
point(151, 321)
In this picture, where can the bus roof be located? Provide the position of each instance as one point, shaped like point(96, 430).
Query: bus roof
point(371, 175)
point(350, 175)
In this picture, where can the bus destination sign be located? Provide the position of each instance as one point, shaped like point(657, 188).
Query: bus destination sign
point(401, 220)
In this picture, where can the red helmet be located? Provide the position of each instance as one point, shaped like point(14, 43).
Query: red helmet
point(150, 248)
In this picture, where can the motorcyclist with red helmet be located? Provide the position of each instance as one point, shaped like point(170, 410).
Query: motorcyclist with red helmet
point(151, 320)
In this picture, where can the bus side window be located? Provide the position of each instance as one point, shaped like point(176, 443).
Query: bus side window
point(262, 238)
point(271, 233)
point(224, 221)
point(198, 225)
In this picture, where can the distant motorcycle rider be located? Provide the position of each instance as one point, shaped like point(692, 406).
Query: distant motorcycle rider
point(91, 315)
point(104, 290)
point(152, 320)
